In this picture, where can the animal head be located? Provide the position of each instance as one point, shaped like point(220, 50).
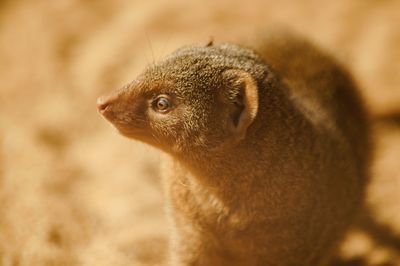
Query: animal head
point(197, 98)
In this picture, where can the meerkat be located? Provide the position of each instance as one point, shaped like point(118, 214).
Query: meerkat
point(269, 149)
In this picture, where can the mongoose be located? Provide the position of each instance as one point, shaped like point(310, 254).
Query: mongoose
point(268, 149)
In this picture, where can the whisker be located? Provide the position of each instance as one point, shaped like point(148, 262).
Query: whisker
point(165, 45)
point(151, 47)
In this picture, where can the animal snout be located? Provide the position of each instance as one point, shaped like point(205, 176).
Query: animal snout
point(105, 101)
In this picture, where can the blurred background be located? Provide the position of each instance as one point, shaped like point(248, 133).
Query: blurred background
point(74, 192)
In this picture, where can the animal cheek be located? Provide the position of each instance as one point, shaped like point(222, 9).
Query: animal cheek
point(162, 130)
point(199, 141)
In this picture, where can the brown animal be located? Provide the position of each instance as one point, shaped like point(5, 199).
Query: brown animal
point(268, 150)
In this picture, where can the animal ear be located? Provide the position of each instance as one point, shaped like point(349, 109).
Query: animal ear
point(210, 41)
point(243, 101)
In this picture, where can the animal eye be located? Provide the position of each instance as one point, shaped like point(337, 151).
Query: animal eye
point(162, 104)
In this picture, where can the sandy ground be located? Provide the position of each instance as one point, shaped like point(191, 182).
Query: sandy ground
point(73, 192)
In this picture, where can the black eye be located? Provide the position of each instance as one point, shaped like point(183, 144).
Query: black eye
point(162, 104)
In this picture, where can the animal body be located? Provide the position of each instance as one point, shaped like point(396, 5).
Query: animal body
point(268, 146)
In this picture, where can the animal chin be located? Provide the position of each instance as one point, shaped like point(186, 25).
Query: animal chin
point(133, 133)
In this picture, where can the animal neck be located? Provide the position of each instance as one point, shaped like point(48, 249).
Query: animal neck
point(224, 170)
point(224, 174)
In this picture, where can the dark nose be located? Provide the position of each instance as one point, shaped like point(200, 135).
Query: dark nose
point(104, 101)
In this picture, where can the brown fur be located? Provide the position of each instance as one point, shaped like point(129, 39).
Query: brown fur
point(268, 150)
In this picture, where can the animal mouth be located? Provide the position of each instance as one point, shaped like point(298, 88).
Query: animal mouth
point(107, 114)
point(102, 110)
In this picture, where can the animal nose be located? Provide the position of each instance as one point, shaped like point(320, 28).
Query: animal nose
point(104, 101)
